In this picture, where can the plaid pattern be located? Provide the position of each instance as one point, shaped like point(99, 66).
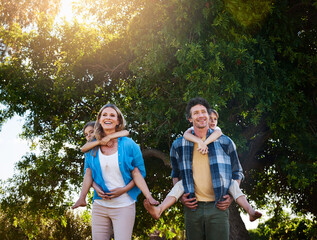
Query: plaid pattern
point(223, 160)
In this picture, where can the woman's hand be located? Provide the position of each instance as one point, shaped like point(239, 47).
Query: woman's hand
point(100, 192)
point(116, 192)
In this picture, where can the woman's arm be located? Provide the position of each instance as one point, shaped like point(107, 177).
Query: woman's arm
point(99, 191)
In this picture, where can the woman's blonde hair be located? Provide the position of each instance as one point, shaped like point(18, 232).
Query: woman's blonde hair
point(99, 133)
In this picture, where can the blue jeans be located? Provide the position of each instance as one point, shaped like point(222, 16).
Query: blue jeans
point(207, 222)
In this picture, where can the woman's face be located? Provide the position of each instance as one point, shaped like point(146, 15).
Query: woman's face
point(109, 119)
point(89, 133)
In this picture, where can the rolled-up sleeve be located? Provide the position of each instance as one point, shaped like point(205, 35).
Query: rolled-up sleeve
point(174, 156)
point(138, 159)
point(237, 172)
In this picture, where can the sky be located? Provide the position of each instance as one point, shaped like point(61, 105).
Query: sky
point(12, 147)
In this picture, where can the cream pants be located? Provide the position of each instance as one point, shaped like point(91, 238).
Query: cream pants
point(104, 218)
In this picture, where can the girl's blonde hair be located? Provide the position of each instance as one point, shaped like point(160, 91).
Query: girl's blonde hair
point(99, 133)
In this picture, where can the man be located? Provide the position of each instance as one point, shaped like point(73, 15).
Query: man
point(206, 178)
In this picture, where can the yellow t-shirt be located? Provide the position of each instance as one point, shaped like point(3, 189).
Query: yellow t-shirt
point(204, 190)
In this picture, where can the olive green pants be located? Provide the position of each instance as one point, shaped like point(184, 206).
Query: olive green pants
point(207, 222)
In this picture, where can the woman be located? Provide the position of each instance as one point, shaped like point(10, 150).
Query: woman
point(111, 166)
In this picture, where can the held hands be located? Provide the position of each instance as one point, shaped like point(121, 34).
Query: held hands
point(202, 147)
point(106, 141)
point(112, 194)
point(223, 205)
point(189, 202)
point(100, 192)
point(116, 192)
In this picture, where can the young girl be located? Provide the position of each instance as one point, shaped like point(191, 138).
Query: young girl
point(178, 190)
point(88, 181)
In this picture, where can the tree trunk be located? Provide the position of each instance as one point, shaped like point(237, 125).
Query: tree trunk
point(238, 230)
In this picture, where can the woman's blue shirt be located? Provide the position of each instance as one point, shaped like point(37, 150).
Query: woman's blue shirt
point(129, 157)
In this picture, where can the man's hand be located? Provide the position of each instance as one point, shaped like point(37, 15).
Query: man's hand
point(189, 202)
point(223, 205)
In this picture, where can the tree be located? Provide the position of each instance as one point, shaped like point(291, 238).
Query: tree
point(253, 63)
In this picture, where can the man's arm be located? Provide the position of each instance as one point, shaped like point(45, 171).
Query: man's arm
point(173, 157)
point(237, 174)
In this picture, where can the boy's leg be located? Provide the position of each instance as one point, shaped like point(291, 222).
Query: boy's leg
point(156, 211)
point(81, 202)
point(141, 184)
point(240, 198)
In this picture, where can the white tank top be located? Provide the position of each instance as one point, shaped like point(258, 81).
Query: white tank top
point(113, 179)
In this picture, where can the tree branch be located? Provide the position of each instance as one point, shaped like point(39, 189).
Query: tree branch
point(148, 153)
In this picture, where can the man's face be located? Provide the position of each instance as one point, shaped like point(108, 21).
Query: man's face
point(199, 116)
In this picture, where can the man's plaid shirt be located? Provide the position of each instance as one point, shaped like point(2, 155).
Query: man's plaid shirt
point(223, 160)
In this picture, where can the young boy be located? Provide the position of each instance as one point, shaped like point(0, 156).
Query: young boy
point(178, 190)
point(88, 181)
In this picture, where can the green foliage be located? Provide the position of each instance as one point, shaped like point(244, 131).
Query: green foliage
point(282, 226)
point(255, 64)
point(25, 225)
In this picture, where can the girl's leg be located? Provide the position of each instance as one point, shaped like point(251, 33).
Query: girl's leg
point(122, 221)
point(101, 225)
point(240, 198)
point(140, 182)
point(81, 202)
point(253, 215)
point(156, 211)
